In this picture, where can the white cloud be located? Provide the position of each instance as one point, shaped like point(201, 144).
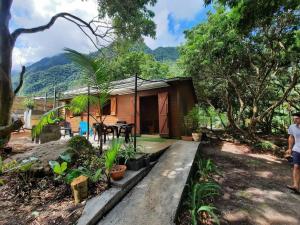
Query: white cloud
point(180, 10)
point(32, 47)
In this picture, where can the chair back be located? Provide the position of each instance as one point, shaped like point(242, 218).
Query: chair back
point(83, 126)
point(121, 121)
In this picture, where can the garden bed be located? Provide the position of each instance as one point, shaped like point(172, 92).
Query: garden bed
point(44, 196)
point(40, 201)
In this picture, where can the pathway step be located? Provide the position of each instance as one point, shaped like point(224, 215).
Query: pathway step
point(154, 201)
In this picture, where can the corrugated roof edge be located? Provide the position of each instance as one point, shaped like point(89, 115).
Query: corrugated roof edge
point(118, 82)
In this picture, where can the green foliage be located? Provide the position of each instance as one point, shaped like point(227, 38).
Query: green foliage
point(248, 75)
point(57, 168)
point(131, 20)
point(199, 193)
point(28, 103)
point(128, 152)
point(79, 143)
point(79, 104)
point(256, 12)
point(264, 145)
point(9, 166)
point(14, 166)
point(195, 119)
point(49, 117)
point(205, 168)
point(74, 173)
point(67, 156)
point(111, 155)
point(60, 72)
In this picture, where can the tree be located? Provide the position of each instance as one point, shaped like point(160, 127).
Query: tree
point(97, 74)
point(253, 13)
point(240, 72)
point(126, 64)
point(129, 19)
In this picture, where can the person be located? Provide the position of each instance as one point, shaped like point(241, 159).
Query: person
point(294, 151)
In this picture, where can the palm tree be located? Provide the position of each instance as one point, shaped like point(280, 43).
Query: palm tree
point(96, 73)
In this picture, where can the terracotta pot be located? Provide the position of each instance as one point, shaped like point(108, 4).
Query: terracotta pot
point(196, 136)
point(117, 172)
point(187, 138)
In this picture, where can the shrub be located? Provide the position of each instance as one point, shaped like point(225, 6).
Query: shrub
point(79, 143)
point(265, 145)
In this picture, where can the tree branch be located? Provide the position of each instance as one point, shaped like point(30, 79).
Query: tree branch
point(74, 19)
point(5, 130)
point(283, 98)
point(21, 81)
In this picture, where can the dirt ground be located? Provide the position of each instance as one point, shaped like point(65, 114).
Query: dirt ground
point(253, 187)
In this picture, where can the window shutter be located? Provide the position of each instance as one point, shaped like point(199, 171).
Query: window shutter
point(113, 106)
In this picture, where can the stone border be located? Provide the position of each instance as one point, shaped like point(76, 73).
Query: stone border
point(98, 206)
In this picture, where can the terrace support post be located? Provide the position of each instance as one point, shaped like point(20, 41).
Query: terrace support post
point(54, 103)
point(135, 109)
point(45, 103)
point(88, 114)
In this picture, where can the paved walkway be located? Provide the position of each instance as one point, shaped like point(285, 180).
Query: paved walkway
point(155, 199)
point(253, 187)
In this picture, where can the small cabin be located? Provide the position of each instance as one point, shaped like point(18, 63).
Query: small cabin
point(161, 105)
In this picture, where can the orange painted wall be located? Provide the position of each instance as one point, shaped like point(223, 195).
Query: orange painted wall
point(181, 99)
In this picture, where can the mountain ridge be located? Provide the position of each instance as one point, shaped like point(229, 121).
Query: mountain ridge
point(59, 71)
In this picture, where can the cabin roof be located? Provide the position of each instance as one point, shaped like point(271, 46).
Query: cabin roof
point(126, 86)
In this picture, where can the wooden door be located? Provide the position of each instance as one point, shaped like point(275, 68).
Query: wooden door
point(163, 111)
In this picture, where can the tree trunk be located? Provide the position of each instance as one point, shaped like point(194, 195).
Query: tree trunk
point(6, 89)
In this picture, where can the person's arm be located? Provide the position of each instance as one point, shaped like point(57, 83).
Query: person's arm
point(291, 142)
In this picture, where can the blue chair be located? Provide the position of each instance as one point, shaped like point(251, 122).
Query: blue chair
point(83, 127)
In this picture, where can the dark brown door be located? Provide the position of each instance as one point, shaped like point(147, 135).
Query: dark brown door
point(163, 110)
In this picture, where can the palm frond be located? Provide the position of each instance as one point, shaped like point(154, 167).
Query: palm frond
point(80, 103)
point(48, 118)
point(84, 61)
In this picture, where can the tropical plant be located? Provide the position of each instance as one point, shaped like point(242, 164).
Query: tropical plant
point(128, 21)
point(198, 194)
point(74, 173)
point(128, 151)
point(58, 169)
point(110, 157)
point(205, 168)
point(49, 117)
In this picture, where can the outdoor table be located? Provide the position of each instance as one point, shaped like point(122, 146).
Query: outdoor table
point(117, 127)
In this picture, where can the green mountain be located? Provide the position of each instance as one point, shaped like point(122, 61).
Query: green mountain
point(59, 72)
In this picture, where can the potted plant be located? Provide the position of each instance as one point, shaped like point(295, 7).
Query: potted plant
point(187, 128)
point(195, 120)
point(116, 172)
point(132, 160)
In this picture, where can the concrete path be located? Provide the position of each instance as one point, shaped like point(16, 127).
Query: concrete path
point(155, 199)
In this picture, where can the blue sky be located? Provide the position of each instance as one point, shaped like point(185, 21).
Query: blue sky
point(172, 17)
